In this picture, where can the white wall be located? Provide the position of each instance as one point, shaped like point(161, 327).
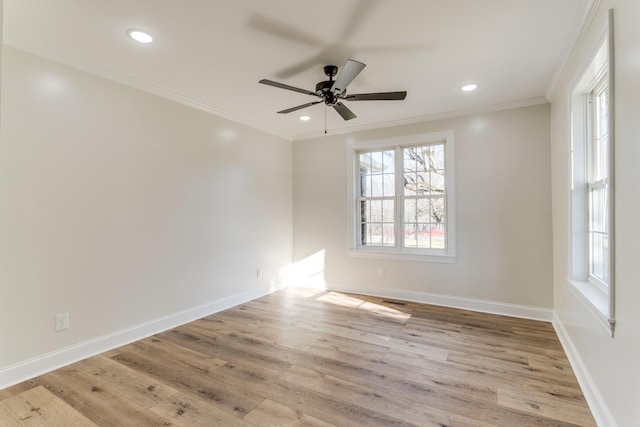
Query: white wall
point(503, 216)
point(607, 367)
point(120, 207)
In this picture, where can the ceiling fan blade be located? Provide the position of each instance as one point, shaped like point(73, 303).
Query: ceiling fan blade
point(382, 96)
point(299, 107)
point(358, 17)
point(287, 87)
point(397, 48)
point(295, 69)
point(346, 113)
point(349, 71)
point(284, 30)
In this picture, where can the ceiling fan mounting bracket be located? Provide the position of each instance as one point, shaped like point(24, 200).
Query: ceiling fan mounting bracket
point(330, 71)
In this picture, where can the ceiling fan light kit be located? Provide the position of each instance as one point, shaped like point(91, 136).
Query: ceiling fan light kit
point(332, 92)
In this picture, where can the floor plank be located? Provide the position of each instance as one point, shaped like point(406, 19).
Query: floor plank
point(134, 385)
point(39, 407)
point(303, 357)
point(188, 411)
point(270, 413)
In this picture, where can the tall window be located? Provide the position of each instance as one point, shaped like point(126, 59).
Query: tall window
point(402, 201)
point(592, 274)
point(598, 182)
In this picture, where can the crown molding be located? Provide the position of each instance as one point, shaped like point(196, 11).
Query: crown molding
point(144, 86)
point(578, 32)
point(528, 102)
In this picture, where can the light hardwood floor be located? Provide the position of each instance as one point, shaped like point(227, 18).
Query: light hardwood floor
point(317, 358)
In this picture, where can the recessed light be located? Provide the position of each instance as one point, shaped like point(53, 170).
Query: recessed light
point(469, 87)
point(305, 118)
point(140, 36)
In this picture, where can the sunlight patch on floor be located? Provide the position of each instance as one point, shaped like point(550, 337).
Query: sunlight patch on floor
point(352, 302)
point(340, 299)
point(304, 292)
point(385, 311)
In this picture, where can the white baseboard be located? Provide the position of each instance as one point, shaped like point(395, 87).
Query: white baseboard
point(22, 371)
point(484, 306)
point(598, 406)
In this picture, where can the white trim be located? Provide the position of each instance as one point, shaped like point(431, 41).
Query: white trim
point(401, 255)
point(482, 306)
point(148, 87)
point(593, 300)
point(597, 301)
point(448, 255)
point(154, 89)
point(596, 402)
point(574, 42)
point(529, 102)
point(22, 371)
point(412, 139)
point(612, 176)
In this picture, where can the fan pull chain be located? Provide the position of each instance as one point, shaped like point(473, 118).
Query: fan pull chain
point(325, 119)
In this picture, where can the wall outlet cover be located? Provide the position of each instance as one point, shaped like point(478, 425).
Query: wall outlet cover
point(62, 322)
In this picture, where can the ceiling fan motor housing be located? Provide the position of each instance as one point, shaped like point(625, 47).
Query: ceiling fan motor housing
point(323, 89)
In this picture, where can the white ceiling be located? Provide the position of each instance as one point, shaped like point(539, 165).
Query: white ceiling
point(211, 53)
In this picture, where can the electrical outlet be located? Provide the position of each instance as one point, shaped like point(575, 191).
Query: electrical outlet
point(62, 322)
point(258, 272)
point(380, 271)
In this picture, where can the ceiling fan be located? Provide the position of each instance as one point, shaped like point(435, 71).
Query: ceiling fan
point(333, 92)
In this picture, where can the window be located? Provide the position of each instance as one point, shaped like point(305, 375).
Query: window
point(592, 226)
point(402, 197)
point(598, 182)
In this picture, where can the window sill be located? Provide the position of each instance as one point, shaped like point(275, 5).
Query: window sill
point(594, 300)
point(402, 256)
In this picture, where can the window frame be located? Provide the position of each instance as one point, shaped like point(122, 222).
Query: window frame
point(356, 249)
point(596, 296)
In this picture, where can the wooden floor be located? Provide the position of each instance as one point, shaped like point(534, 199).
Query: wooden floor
point(317, 358)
